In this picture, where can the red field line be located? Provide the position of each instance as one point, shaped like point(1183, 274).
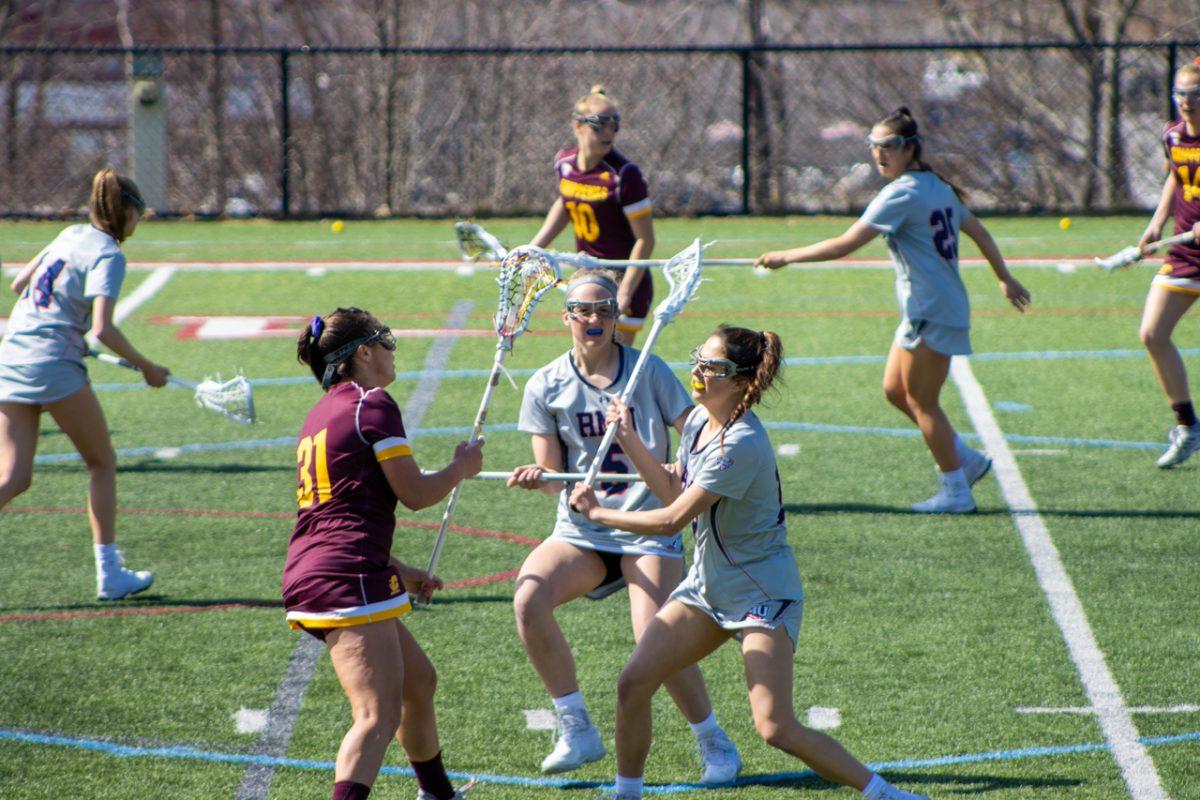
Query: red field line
point(497, 577)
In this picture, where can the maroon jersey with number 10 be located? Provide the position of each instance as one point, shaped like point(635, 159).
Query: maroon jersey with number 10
point(601, 201)
point(1183, 157)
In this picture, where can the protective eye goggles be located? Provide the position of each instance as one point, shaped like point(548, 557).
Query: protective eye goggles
point(1186, 94)
point(714, 367)
point(893, 142)
point(383, 336)
point(605, 309)
point(599, 122)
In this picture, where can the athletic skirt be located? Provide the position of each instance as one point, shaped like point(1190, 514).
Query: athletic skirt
point(639, 305)
point(41, 383)
point(945, 339)
point(317, 603)
point(764, 614)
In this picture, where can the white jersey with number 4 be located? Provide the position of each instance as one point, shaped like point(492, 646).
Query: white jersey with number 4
point(560, 402)
point(920, 216)
point(54, 312)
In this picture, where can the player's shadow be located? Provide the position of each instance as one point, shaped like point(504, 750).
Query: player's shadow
point(814, 509)
point(146, 600)
point(955, 784)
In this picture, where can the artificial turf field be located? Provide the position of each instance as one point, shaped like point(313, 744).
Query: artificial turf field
point(928, 635)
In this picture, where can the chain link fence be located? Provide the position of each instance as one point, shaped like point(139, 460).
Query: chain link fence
point(299, 132)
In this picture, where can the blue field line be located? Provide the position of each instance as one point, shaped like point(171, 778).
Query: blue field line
point(682, 366)
point(510, 427)
point(194, 754)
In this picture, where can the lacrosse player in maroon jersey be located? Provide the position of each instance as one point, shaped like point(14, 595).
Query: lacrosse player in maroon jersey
point(605, 198)
point(341, 583)
point(1177, 284)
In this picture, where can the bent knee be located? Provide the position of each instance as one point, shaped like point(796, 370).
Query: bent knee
point(1154, 339)
point(635, 683)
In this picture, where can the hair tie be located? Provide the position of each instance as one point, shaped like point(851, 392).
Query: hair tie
point(318, 327)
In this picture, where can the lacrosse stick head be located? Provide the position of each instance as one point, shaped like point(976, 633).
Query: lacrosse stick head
point(232, 399)
point(526, 274)
point(476, 244)
point(682, 272)
point(1124, 258)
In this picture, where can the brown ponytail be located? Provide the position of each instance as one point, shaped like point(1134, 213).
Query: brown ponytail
point(758, 356)
point(113, 199)
point(902, 123)
point(325, 335)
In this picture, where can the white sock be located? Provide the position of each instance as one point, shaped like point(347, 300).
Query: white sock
point(106, 557)
point(954, 479)
point(706, 727)
point(962, 450)
point(874, 788)
point(631, 786)
point(570, 702)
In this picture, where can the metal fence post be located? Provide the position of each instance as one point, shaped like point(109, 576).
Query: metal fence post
point(745, 55)
point(1172, 55)
point(285, 131)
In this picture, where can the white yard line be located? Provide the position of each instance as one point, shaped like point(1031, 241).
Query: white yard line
point(1116, 721)
point(145, 290)
point(1180, 709)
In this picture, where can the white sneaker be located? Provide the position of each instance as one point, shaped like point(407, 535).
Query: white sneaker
point(892, 793)
point(975, 466)
point(948, 500)
point(459, 793)
point(115, 583)
point(621, 796)
point(578, 743)
point(1184, 441)
point(719, 758)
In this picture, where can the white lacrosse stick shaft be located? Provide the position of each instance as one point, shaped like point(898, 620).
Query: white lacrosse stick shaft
point(663, 315)
point(502, 350)
point(603, 477)
point(108, 358)
point(1133, 253)
point(583, 260)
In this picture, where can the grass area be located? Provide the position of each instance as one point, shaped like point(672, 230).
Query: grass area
point(926, 634)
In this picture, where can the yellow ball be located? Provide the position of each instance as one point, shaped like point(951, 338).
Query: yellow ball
point(1064, 223)
point(337, 226)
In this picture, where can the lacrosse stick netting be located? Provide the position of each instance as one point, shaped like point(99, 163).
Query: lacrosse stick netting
point(232, 399)
point(683, 277)
point(476, 244)
point(526, 275)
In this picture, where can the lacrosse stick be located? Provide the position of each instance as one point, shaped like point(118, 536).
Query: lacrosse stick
point(603, 477)
point(232, 399)
point(476, 244)
point(525, 277)
point(1133, 254)
point(585, 261)
point(683, 276)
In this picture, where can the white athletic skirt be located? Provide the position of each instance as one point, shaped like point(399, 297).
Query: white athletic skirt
point(945, 339)
point(38, 384)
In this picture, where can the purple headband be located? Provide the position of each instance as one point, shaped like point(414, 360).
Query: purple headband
point(318, 327)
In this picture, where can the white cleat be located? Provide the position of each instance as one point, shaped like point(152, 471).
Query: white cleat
point(975, 466)
point(892, 793)
point(621, 796)
point(1184, 441)
point(578, 743)
point(719, 758)
point(116, 583)
point(948, 500)
point(459, 794)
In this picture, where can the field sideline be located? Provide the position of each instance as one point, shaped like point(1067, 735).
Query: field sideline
point(1045, 647)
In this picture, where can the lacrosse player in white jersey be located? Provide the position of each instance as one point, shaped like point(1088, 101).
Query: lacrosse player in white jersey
point(920, 215)
point(564, 409)
point(743, 584)
point(71, 286)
